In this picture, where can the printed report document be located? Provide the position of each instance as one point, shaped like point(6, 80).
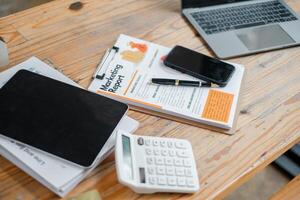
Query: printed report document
point(127, 77)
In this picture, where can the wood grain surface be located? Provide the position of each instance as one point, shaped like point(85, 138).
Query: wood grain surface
point(73, 41)
point(291, 191)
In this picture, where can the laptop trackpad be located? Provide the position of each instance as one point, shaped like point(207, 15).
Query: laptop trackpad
point(264, 37)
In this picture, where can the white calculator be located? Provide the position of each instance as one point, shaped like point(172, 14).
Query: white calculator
point(154, 164)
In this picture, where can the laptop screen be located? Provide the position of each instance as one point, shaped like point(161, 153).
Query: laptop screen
point(205, 3)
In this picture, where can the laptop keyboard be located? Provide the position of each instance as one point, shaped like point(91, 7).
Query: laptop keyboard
point(238, 17)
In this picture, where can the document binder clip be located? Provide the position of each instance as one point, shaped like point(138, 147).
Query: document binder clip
point(103, 66)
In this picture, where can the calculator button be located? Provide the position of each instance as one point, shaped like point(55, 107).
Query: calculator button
point(140, 141)
point(183, 154)
point(150, 161)
point(179, 171)
point(147, 142)
point(168, 161)
point(178, 162)
point(160, 170)
point(151, 170)
point(180, 145)
point(172, 153)
point(142, 175)
point(162, 181)
point(190, 182)
point(152, 180)
point(164, 152)
point(148, 151)
point(187, 162)
point(170, 144)
point(188, 172)
point(156, 152)
point(155, 143)
point(171, 181)
point(163, 143)
point(170, 171)
point(181, 181)
point(159, 161)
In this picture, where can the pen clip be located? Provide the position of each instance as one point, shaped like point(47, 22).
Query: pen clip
point(213, 85)
point(107, 59)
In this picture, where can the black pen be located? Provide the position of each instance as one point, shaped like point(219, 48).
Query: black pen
point(163, 81)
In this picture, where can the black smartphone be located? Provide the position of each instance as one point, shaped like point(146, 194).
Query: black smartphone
point(200, 66)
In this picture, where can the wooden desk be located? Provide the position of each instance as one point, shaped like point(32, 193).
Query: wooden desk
point(74, 41)
point(289, 191)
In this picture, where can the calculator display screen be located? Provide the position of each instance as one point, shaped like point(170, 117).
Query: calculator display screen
point(127, 156)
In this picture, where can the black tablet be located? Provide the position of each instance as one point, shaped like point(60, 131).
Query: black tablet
point(57, 118)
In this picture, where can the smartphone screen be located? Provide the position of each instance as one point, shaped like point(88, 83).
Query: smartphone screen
point(199, 65)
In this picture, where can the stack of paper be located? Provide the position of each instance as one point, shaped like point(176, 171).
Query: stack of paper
point(57, 175)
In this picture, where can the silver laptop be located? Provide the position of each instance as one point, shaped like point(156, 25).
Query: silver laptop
point(240, 27)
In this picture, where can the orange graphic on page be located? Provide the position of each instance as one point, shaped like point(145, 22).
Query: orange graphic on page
point(141, 47)
point(133, 55)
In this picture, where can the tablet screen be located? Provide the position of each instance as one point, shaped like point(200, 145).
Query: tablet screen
point(60, 119)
